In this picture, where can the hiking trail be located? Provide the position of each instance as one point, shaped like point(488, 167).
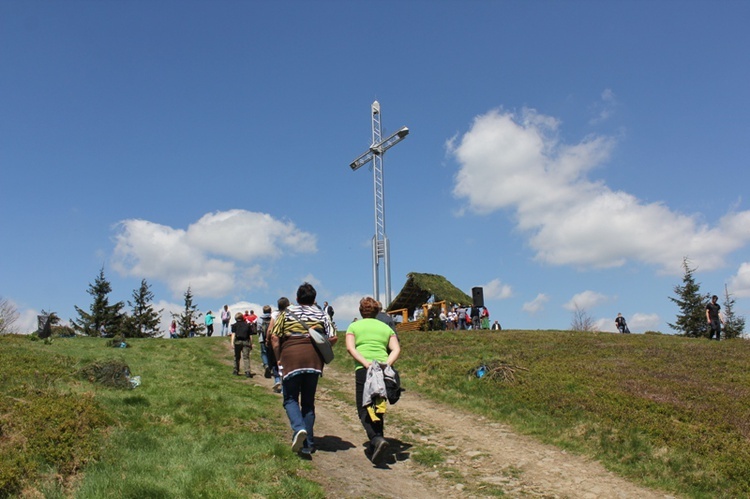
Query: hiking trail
point(481, 457)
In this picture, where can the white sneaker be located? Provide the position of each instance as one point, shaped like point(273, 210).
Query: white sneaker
point(299, 440)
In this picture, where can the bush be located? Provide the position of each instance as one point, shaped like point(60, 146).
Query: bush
point(111, 373)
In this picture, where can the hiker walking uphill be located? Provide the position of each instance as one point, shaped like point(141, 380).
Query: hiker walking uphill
point(242, 344)
point(300, 363)
point(371, 343)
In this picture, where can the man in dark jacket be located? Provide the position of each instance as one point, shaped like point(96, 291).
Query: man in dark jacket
point(242, 344)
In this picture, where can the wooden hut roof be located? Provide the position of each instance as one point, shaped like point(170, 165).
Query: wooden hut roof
point(420, 287)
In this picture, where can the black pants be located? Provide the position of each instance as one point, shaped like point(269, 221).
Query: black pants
point(714, 328)
point(372, 428)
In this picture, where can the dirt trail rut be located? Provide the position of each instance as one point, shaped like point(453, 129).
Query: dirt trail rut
point(482, 458)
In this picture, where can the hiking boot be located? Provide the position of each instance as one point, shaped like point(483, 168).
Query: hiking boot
point(378, 445)
point(299, 440)
point(267, 373)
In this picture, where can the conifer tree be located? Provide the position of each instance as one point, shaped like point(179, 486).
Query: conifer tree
point(101, 313)
point(691, 321)
point(188, 318)
point(734, 325)
point(144, 320)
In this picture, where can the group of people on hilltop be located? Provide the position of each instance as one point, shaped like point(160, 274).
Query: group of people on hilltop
point(458, 318)
point(290, 357)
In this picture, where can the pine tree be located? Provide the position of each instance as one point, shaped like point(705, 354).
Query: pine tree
point(188, 319)
point(144, 320)
point(691, 321)
point(101, 312)
point(734, 325)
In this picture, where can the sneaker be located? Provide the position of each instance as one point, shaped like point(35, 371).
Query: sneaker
point(308, 450)
point(248, 374)
point(277, 387)
point(235, 372)
point(299, 440)
point(379, 445)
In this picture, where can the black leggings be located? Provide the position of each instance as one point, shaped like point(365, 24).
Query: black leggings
point(373, 428)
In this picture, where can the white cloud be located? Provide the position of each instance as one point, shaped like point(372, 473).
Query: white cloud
point(517, 162)
point(214, 256)
point(604, 325)
point(346, 308)
point(643, 322)
point(496, 290)
point(586, 300)
point(739, 284)
point(604, 108)
point(535, 305)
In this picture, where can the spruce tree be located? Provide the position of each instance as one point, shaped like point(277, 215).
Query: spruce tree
point(691, 321)
point(144, 320)
point(189, 317)
point(734, 325)
point(101, 313)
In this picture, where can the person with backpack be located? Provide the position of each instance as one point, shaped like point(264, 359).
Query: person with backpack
point(242, 344)
point(262, 327)
point(622, 326)
point(282, 305)
point(370, 341)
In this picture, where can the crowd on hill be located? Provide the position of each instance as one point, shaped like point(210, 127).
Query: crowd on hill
point(457, 318)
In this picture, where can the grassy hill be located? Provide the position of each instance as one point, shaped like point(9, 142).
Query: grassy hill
point(666, 411)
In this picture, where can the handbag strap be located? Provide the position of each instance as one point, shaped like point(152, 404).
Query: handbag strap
point(304, 324)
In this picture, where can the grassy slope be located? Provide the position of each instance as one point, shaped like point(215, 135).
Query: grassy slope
point(667, 411)
point(190, 430)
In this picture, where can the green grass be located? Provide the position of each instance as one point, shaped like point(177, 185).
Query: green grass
point(190, 430)
point(667, 411)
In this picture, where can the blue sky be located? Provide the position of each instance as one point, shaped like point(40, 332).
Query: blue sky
point(560, 153)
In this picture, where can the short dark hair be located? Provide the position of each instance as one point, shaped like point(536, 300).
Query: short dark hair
point(306, 294)
point(283, 303)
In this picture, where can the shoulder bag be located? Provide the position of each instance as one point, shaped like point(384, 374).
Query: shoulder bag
point(319, 340)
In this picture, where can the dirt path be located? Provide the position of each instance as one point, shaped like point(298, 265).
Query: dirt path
point(481, 458)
